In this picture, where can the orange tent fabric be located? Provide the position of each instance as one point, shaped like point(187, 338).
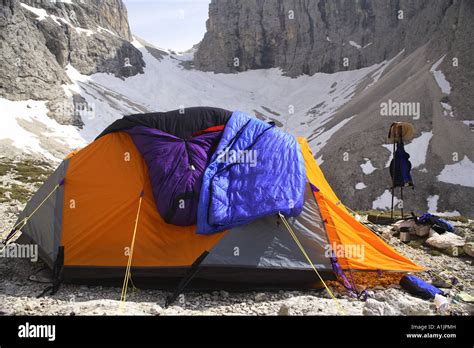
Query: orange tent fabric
point(346, 233)
point(103, 186)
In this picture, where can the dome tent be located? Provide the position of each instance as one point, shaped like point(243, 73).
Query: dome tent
point(127, 187)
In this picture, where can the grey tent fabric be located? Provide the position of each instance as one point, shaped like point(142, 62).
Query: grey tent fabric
point(266, 243)
point(44, 227)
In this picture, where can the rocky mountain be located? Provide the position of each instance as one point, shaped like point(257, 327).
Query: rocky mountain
point(322, 36)
point(40, 38)
point(305, 37)
point(322, 69)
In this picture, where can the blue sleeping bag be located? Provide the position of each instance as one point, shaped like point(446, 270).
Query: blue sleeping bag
point(257, 170)
point(418, 287)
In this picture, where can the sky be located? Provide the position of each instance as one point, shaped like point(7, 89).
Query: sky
point(169, 24)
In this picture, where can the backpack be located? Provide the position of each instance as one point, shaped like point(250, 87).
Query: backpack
point(436, 223)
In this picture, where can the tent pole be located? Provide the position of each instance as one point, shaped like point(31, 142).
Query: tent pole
point(391, 210)
point(193, 270)
point(393, 181)
point(401, 194)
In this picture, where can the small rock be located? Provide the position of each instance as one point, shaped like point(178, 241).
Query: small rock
point(224, 294)
point(442, 281)
point(469, 249)
point(156, 310)
point(284, 310)
point(434, 252)
point(260, 297)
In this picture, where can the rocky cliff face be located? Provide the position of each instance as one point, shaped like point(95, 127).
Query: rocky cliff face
point(305, 37)
point(40, 38)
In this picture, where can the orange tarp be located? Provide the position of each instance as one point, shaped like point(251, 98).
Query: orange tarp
point(102, 192)
point(346, 233)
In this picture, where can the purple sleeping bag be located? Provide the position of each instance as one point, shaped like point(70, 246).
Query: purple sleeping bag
point(175, 169)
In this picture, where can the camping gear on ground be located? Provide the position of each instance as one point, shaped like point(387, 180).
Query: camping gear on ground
point(400, 165)
point(441, 303)
point(418, 287)
point(464, 297)
point(435, 222)
point(407, 224)
point(405, 234)
point(422, 230)
point(114, 210)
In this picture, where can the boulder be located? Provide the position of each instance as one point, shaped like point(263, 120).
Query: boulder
point(445, 241)
point(395, 302)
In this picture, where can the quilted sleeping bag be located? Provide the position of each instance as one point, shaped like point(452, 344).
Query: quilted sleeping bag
point(175, 169)
point(257, 170)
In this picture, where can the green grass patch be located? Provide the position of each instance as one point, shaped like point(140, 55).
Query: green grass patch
point(20, 193)
point(385, 214)
point(17, 192)
point(4, 169)
point(31, 172)
point(3, 198)
point(416, 244)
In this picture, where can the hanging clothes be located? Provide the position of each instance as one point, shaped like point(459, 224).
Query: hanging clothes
point(400, 167)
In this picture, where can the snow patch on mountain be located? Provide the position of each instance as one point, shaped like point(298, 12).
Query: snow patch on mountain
point(460, 173)
point(440, 78)
point(167, 84)
point(39, 12)
point(324, 136)
point(432, 202)
point(367, 167)
point(27, 127)
point(384, 201)
point(355, 44)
